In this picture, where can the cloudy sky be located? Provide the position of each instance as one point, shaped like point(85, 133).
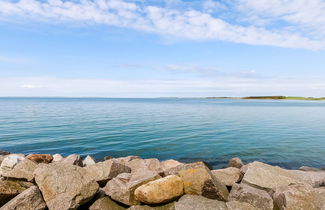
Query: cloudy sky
point(160, 48)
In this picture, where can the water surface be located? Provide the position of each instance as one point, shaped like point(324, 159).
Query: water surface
point(285, 133)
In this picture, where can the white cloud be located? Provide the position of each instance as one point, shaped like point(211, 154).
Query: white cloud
point(186, 24)
point(225, 86)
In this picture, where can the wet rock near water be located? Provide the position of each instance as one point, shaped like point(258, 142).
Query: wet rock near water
point(54, 182)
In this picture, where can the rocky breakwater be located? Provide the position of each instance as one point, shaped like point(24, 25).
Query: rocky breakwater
point(43, 181)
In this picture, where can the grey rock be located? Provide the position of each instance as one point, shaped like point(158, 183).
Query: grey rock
point(64, 186)
point(30, 199)
point(22, 170)
point(195, 202)
point(122, 187)
point(260, 199)
point(235, 162)
point(105, 203)
point(228, 176)
point(9, 189)
point(73, 159)
point(88, 161)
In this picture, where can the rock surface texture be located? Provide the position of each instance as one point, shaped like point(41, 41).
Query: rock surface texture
point(228, 176)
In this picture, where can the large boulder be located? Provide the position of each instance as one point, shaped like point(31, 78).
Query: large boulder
point(9, 162)
point(195, 202)
point(152, 164)
point(199, 180)
point(228, 176)
point(299, 196)
point(269, 177)
point(105, 203)
point(122, 187)
point(168, 164)
point(23, 170)
point(9, 189)
point(64, 186)
point(73, 159)
point(124, 160)
point(260, 199)
point(106, 170)
point(235, 162)
point(314, 178)
point(160, 190)
point(40, 158)
point(88, 161)
point(236, 205)
point(30, 199)
point(168, 206)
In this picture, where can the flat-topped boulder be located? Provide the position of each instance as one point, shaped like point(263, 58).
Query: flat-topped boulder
point(122, 187)
point(195, 202)
point(40, 158)
point(168, 164)
point(199, 180)
point(269, 177)
point(160, 191)
point(151, 164)
point(22, 170)
point(299, 196)
point(260, 199)
point(64, 186)
point(29, 199)
point(228, 176)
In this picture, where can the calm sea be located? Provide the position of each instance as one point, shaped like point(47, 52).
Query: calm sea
point(285, 133)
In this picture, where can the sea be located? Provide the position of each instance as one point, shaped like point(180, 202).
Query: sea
point(287, 133)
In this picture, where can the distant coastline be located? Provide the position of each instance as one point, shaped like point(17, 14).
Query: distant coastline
point(273, 98)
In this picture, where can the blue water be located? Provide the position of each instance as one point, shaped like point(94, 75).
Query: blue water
point(285, 133)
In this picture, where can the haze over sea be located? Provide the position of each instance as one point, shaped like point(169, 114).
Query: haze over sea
point(285, 133)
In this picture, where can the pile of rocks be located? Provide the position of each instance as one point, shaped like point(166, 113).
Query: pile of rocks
point(41, 181)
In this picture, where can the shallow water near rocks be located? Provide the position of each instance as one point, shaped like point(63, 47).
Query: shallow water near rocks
point(285, 133)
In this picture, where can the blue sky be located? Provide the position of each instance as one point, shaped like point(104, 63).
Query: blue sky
point(160, 48)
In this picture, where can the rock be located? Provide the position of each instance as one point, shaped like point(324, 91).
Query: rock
point(124, 160)
point(10, 161)
point(168, 164)
point(195, 202)
point(105, 203)
point(160, 190)
point(72, 160)
point(307, 168)
point(228, 176)
point(260, 199)
point(108, 157)
point(9, 189)
point(235, 162)
point(4, 152)
point(106, 170)
point(199, 180)
point(30, 199)
point(268, 177)
point(64, 186)
point(40, 158)
point(169, 206)
point(152, 164)
point(314, 178)
point(88, 161)
point(299, 196)
point(236, 205)
point(57, 158)
point(23, 170)
point(122, 187)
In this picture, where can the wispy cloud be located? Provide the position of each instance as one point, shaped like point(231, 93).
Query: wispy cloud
point(191, 23)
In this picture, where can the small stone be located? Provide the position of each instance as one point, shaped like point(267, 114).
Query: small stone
point(235, 162)
point(73, 159)
point(160, 190)
point(23, 170)
point(105, 203)
point(195, 202)
point(199, 180)
point(64, 186)
point(228, 176)
point(299, 196)
point(30, 199)
point(236, 205)
point(88, 161)
point(168, 164)
point(106, 170)
point(260, 199)
point(57, 158)
point(122, 187)
point(40, 158)
point(9, 189)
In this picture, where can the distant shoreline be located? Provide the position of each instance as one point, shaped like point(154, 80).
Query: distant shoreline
point(273, 98)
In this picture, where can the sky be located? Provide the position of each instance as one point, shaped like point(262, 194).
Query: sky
point(162, 48)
